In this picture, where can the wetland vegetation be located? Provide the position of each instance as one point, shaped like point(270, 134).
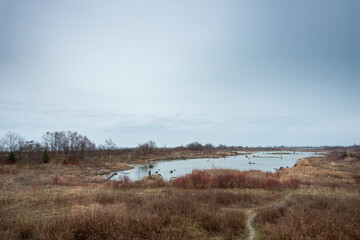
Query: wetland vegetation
point(57, 199)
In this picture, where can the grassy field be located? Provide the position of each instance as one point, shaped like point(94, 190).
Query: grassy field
point(317, 199)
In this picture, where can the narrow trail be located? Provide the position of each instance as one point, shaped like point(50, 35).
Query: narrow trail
point(251, 217)
point(250, 227)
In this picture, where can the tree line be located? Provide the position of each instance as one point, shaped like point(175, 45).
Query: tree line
point(69, 144)
point(59, 142)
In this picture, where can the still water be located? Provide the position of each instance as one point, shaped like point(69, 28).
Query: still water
point(264, 161)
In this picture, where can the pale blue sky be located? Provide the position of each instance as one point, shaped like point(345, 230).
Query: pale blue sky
point(231, 72)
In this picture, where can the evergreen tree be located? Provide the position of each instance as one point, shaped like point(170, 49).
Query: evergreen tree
point(11, 158)
point(45, 157)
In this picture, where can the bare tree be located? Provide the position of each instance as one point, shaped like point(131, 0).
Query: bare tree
point(64, 142)
point(2, 146)
point(49, 141)
point(61, 142)
point(67, 143)
point(209, 146)
point(31, 148)
point(85, 144)
point(74, 141)
point(195, 146)
point(222, 146)
point(11, 141)
point(109, 146)
point(147, 147)
point(21, 145)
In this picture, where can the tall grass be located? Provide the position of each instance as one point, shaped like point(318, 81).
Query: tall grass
point(312, 217)
point(203, 180)
point(124, 183)
point(357, 179)
point(170, 214)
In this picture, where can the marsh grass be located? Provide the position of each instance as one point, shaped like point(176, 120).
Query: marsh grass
point(82, 212)
point(204, 180)
point(113, 214)
point(49, 201)
point(312, 217)
point(357, 179)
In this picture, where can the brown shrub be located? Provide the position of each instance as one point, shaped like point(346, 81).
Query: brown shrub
point(312, 217)
point(173, 203)
point(62, 180)
point(157, 183)
point(24, 229)
point(100, 223)
point(357, 179)
point(230, 223)
point(209, 219)
point(234, 222)
point(229, 181)
point(105, 198)
point(291, 183)
point(203, 180)
point(126, 214)
point(200, 180)
point(270, 215)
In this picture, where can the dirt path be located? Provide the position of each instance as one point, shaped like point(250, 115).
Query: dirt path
point(250, 227)
point(251, 217)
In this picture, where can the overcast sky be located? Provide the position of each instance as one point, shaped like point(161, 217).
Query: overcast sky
point(230, 72)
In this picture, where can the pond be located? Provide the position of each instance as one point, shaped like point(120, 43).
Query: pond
point(264, 161)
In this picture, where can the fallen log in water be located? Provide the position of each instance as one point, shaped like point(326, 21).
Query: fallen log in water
point(111, 176)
